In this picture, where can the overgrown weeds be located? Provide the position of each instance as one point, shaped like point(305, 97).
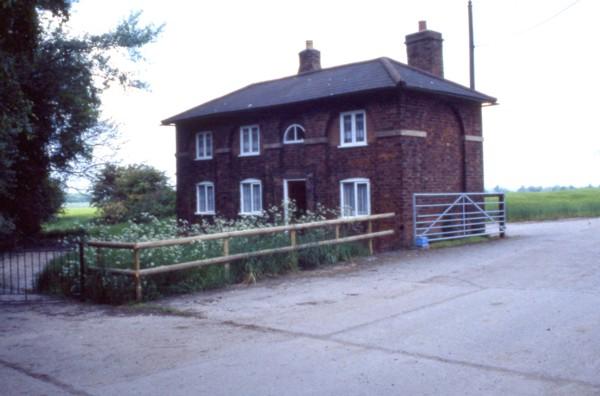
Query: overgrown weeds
point(101, 286)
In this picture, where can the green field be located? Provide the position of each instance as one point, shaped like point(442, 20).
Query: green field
point(71, 218)
point(525, 206)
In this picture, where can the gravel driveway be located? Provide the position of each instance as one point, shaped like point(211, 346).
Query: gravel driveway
point(517, 316)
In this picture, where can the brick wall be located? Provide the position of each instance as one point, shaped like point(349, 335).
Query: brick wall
point(397, 164)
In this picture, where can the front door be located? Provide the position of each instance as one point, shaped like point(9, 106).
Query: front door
point(294, 191)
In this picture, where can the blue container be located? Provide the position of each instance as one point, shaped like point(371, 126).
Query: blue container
point(422, 242)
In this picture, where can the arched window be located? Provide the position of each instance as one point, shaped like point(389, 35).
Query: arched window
point(294, 134)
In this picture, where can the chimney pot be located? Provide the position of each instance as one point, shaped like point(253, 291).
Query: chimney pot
point(424, 50)
point(310, 59)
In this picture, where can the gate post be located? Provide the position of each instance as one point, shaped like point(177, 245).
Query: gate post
point(502, 209)
point(414, 215)
point(81, 271)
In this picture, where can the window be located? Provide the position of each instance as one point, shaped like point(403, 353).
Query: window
point(353, 129)
point(204, 145)
point(250, 196)
point(293, 134)
point(355, 197)
point(205, 198)
point(249, 140)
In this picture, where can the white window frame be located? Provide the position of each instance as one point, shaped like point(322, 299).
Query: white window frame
point(205, 185)
point(354, 142)
point(204, 136)
point(293, 129)
point(253, 210)
point(250, 152)
point(354, 211)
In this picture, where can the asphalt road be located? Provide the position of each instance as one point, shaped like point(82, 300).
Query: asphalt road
point(519, 316)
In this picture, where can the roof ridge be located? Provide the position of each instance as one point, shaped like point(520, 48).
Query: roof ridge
point(391, 70)
point(377, 73)
point(438, 77)
point(306, 73)
point(169, 120)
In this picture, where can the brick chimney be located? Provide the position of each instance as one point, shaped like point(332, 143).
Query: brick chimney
point(424, 50)
point(310, 59)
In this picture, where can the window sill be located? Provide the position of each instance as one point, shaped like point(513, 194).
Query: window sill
point(353, 216)
point(294, 142)
point(205, 213)
point(249, 155)
point(203, 158)
point(251, 213)
point(352, 145)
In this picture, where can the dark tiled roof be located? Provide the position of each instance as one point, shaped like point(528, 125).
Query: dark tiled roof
point(371, 75)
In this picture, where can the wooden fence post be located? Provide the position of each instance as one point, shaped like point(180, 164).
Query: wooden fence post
point(337, 231)
point(138, 280)
point(293, 238)
point(226, 253)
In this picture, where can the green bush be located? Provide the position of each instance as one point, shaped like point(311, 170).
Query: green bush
point(102, 286)
point(129, 193)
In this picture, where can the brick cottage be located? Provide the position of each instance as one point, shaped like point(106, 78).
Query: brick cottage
point(362, 137)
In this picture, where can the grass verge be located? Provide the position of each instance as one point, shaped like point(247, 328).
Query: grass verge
point(459, 242)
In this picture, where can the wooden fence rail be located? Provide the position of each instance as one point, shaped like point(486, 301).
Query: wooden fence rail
point(137, 272)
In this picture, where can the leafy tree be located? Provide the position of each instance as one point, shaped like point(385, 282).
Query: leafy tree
point(128, 193)
point(50, 86)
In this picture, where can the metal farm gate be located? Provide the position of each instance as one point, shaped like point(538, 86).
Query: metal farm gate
point(444, 216)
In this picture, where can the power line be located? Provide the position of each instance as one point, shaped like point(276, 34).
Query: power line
point(549, 18)
point(533, 27)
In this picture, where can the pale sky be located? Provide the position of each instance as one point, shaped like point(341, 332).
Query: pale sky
point(540, 58)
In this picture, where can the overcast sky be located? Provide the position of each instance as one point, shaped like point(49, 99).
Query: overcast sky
point(540, 58)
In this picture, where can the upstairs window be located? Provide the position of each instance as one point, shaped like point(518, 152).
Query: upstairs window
point(293, 134)
point(249, 140)
point(355, 197)
point(251, 197)
point(205, 198)
point(353, 129)
point(204, 149)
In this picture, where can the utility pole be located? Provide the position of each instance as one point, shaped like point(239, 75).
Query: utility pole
point(471, 48)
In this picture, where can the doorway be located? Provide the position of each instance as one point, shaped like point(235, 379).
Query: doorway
point(294, 190)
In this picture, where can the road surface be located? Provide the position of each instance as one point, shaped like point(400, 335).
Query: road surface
point(519, 316)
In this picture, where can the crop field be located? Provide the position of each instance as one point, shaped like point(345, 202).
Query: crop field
point(526, 206)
